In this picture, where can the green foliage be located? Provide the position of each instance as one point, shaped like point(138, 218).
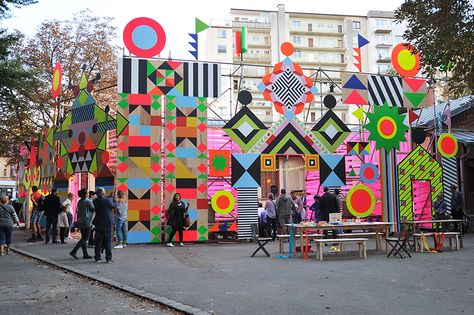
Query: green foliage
point(443, 32)
point(5, 6)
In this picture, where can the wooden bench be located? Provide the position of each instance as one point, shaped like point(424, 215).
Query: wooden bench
point(285, 237)
point(360, 241)
point(377, 236)
point(450, 235)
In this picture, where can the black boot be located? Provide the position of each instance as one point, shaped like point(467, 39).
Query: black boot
point(32, 238)
point(39, 237)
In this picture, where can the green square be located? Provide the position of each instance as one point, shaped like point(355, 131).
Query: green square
point(202, 229)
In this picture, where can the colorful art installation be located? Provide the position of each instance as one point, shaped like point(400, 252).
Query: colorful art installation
point(447, 145)
point(186, 168)
point(360, 201)
point(223, 202)
point(418, 165)
point(56, 82)
point(450, 178)
point(199, 27)
point(247, 211)
point(358, 148)
point(415, 92)
point(246, 170)
point(359, 114)
point(219, 163)
point(354, 89)
point(268, 163)
point(361, 42)
point(331, 131)
point(241, 45)
point(369, 173)
point(386, 127)
point(332, 170)
point(46, 156)
point(311, 162)
point(286, 86)
point(150, 76)
point(139, 125)
point(385, 89)
point(144, 37)
point(405, 60)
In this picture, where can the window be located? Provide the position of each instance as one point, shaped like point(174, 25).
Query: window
point(342, 58)
point(235, 84)
point(267, 40)
point(383, 39)
point(297, 54)
point(356, 25)
point(5, 172)
point(339, 28)
point(339, 44)
point(398, 39)
point(383, 53)
point(221, 49)
point(343, 117)
point(296, 39)
point(256, 38)
point(382, 23)
point(296, 24)
point(310, 27)
point(382, 69)
point(310, 42)
point(221, 34)
point(313, 116)
point(355, 41)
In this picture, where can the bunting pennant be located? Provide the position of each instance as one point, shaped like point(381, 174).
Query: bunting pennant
point(412, 116)
point(361, 42)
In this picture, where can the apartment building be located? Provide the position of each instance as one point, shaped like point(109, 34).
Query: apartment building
point(323, 47)
point(7, 178)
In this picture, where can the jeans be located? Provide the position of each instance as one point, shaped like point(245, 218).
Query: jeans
point(103, 237)
point(6, 235)
point(272, 227)
point(51, 226)
point(121, 230)
point(173, 232)
point(69, 220)
point(82, 242)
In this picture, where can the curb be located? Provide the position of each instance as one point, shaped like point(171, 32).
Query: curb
point(174, 305)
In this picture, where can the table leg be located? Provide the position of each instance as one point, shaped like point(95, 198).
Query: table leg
point(460, 234)
point(386, 236)
point(301, 243)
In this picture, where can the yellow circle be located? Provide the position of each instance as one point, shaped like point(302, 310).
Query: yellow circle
point(223, 193)
point(406, 60)
point(56, 79)
point(390, 136)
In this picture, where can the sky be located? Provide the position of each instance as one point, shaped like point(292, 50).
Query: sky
point(177, 16)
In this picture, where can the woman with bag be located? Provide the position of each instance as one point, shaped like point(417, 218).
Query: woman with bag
point(177, 214)
point(7, 219)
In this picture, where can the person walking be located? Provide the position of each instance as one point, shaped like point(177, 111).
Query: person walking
point(63, 224)
point(36, 214)
point(92, 196)
point(7, 219)
point(284, 207)
point(52, 206)
point(85, 215)
point(68, 204)
point(176, 214)
point(270, 207)
point(104, 221)
point(121, 220)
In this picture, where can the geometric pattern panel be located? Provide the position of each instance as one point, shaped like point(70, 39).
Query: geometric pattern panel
point(219, 163)
point(46, 161)
point(354, 89)
point(415, 92)
point(450, 178)
point(151, 76)
point(268, 162)
point(247, 210)
point(418, 165)
point(245, 170)
point(385, 89)
point(358, 148)
point(331, 131)
point(332, 168)
point(186, 160)
point(139, 164)
point(245, 128)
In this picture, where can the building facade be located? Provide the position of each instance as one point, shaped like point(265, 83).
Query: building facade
point(7, 179)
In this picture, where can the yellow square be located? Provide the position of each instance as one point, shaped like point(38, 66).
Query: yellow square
point(191, 121)
point(133, 215)
point(311, 162)
point(268, 162)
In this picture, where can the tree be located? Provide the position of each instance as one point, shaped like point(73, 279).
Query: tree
point(443, 32)
point(5, 6)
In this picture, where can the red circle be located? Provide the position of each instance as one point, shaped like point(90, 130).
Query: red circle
point(448, 145)
point(105, 157)
point(369, 173)
point(405, 72)
point(146, 53)
point(361, 200)
point(387, 127)
point(223, 202)
point(287, 48)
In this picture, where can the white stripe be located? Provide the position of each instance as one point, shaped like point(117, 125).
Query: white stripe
point(392, 90)
point(119, 76)
point(134, 87)
point(190, 78)
point(399, 86)
point(200, 79)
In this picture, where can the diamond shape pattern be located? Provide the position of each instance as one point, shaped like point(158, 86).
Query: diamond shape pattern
point(330, 131)
point(245, 129)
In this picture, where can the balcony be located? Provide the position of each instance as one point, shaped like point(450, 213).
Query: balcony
point(254, 25)
point(383, 45)
point(296, 31)
point(335, 49)
point(383, 29)
point(255, 58)
point(383, 59)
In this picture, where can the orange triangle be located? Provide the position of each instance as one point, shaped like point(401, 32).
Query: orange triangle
point(89, 145)
point(358, 66)
point(355, 98)
point(156, 91)
point(233, 227)
point(174, 64)
point(215, 228)
point(74, 146)
point(414, 84)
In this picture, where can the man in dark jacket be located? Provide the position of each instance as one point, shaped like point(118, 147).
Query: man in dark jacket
point(52, 207)
point(328, 204)
point(104, 221)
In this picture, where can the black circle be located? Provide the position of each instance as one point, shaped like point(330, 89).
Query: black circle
point(245, 97)
point(329, 101)
point(418, 135)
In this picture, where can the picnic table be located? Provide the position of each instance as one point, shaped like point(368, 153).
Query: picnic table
point(436, 225)
point(378, 227)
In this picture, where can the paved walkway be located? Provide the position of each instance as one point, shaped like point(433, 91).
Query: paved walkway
point(223, 279)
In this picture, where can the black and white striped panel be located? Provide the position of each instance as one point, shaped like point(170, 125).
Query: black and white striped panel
point(247, 210)
point(201, 79)
point(450, 178)
point(385, 89)
point(132, 76)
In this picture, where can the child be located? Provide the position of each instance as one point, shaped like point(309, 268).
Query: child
point(63, 223)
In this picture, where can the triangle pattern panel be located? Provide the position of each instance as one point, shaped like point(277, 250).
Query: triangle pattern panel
point(354, 89)
point(415, 92)
point(332, 168)
point(245, 170)
point(385, 89)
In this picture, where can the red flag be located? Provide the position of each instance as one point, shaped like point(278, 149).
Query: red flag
point(238, 44)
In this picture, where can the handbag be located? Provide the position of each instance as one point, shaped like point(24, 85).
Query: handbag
point(187, 221)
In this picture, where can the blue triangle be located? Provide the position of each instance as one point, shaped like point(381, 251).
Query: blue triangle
point(331, 159)
point(194, 44)
point(333, 180)
point(361, 41)
point(246, 159)
point(194, 53)
point(194, 36)
point(354, 83)
point(246, 181)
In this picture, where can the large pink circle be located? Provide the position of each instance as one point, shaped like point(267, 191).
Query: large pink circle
point(133, 48)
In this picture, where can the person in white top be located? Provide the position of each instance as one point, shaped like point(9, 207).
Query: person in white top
point(68, 205)
point(63, 224)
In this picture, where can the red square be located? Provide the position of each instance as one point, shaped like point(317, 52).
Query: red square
point(144, 215)
point(155, 121)
point(181, 121)
point(202, 204)
point(139, 99)
point(187, 193)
